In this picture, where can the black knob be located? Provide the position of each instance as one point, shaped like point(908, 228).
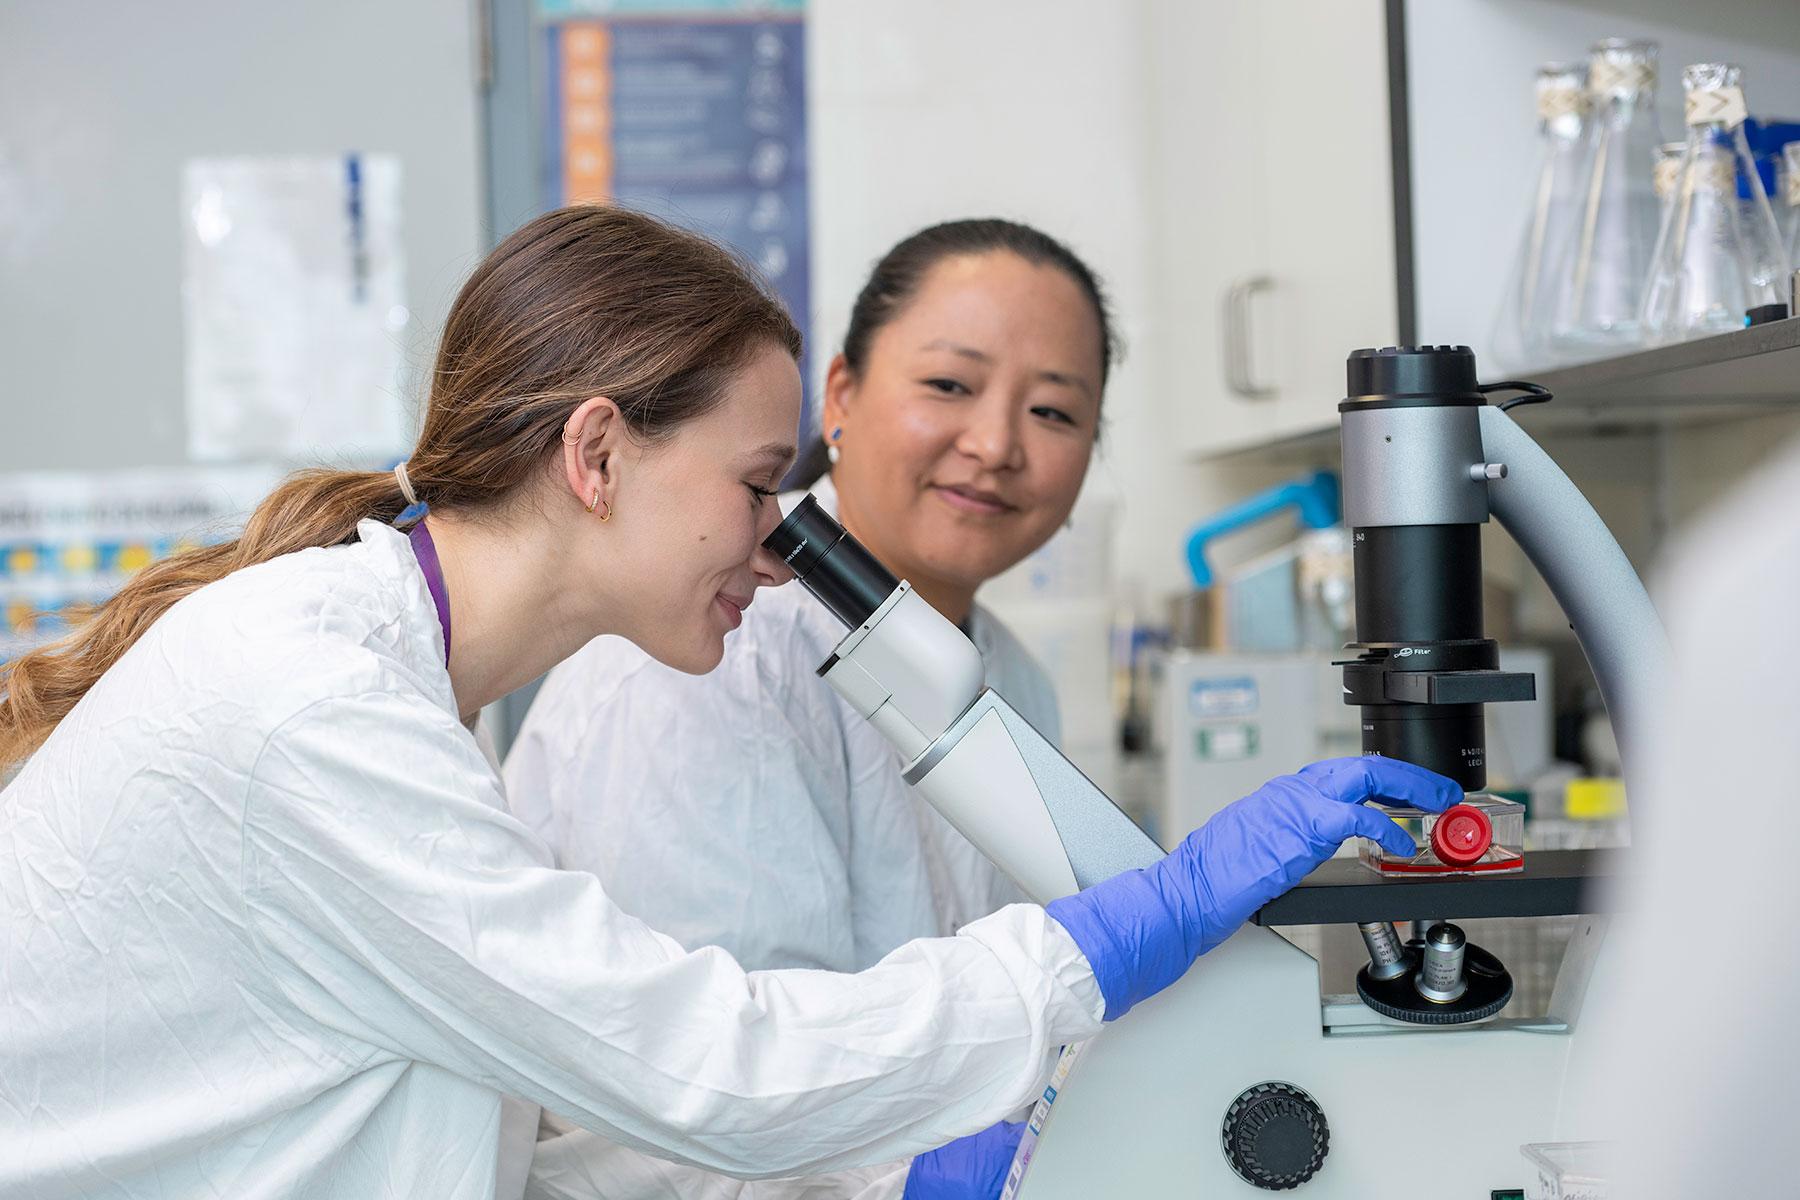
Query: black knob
point(1275, 1136)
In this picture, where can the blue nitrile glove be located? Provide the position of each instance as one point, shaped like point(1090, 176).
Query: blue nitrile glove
point(1141, 930)
point(970, 1168)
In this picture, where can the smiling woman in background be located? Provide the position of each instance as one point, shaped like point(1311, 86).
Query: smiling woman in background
point(771, 819)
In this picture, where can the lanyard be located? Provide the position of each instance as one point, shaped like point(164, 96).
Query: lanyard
point(426, 552)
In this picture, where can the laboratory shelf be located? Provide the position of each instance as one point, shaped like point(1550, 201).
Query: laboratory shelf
point(1554, 883)
point(1746, 373)
point(1742, 373)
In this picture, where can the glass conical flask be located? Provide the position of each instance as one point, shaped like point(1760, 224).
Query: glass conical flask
point(1668, 170)
point(1716, 258)
point(1522, 331)
point(1600, 284)
point(1790, 185)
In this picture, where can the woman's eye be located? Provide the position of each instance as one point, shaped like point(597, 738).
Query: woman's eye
point(949, 387)
point(759, 494)
point(1056, 415)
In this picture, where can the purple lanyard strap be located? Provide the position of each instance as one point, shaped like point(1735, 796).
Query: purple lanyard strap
point(426, 552)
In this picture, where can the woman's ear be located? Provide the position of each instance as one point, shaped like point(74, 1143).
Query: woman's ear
point(840, 391)
point(591, 439)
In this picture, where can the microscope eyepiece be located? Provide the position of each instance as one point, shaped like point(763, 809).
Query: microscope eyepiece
point(831, 564)
point(1409, 376)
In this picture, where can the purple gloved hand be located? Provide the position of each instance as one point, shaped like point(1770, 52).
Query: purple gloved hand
point(1141, 930)
point(970, 1168)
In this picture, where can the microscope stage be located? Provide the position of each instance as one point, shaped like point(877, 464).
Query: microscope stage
point(1553, 883)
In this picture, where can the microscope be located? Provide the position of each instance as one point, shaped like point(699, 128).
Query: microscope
point(1243, 1077)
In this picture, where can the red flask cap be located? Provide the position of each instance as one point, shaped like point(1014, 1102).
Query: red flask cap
point(1462, 835)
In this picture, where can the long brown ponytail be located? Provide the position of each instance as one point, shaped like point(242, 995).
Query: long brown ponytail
point(585, 301)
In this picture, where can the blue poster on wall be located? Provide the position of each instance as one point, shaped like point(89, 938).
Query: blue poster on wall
point(693, 112)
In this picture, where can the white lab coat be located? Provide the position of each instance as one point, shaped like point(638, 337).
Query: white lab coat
point(1697, 1074)
point(752, 808)
point(266, 929)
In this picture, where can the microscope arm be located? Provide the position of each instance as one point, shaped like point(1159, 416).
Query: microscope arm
point(1589, 575)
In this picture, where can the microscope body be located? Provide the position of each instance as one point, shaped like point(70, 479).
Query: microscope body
point(1242, 1077)
point(916, 677)
point(1427, 462)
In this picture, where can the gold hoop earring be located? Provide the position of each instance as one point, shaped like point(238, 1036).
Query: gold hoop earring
point(607, 515)
point(594, 501)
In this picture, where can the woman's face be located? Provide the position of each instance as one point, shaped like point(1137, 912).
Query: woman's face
point(692, 511)
point(967, 435)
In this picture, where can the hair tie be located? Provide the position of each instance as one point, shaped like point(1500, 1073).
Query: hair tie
point(405, 484)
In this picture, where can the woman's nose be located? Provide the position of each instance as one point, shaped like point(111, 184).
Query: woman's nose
point(768, 567)
point(992, 435)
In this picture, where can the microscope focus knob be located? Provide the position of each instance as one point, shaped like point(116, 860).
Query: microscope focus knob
point(1275, 1136)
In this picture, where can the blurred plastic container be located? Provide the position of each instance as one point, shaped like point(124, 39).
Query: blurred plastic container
point(1769, 142)
point(1300, 596)
point(1791, 187)
point(1569, 1170)
point(1297, 597)
point(1595, 799)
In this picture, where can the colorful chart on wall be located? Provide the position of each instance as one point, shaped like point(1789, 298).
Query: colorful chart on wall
point(695, 112)
point(69, 540)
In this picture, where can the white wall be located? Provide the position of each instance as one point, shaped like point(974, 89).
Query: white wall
point(100, 105)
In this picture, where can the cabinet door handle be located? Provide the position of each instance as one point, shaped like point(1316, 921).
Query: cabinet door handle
point(1235, 331)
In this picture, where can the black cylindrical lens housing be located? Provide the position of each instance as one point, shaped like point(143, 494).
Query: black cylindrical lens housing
point(831, 564)
point(1450, 739)
point(1418, 597)
point(1420, 644)
point(1418, 583)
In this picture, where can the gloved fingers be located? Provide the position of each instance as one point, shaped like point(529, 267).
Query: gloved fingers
point(970, 1168)
point(1379, 827)
point(1002, 1144)
point(1372, 777)
point(1000, 1138)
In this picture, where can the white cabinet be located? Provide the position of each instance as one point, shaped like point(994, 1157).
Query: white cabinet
point(1275, 211)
